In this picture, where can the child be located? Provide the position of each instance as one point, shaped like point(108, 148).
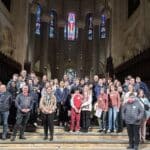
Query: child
point(76, 102)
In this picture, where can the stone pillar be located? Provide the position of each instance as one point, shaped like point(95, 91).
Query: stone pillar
point(95, 50)
point(44, 43)
point(31, 44)
point(81, 65)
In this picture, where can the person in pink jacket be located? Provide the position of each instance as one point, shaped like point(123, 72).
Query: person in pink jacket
point(114, 105)
point(103, 105)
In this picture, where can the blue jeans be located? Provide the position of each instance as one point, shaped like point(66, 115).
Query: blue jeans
point(4, 116)
point(112, 123)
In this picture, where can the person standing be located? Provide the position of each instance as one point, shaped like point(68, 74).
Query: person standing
point(24, 104)
point(114, 106)
point(102, 104)
point(132, 113)
point(76, 102)
point(60, 96)
point(5, 103)
point(48, 106)
point(144, 101)
point(86, 108)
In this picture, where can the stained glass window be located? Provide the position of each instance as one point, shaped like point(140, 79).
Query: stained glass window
point(70, 28)
point(90, 26)
point(52, 25)
point(102, 31)
point(38, 20)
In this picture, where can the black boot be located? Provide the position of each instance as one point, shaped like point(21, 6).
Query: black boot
point(51, 138)
point(13, 138)
point(22, 137)
point(45, 137)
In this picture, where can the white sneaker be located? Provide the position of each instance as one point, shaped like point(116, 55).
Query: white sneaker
point(108, 131)
point(35, 124)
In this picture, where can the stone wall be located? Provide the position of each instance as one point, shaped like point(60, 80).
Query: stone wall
point(14, 30)
point(131, 35)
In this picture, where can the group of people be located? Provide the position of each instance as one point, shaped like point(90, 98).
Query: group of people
point(75, 103)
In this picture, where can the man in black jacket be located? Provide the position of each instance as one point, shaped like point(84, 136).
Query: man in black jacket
point(5, 103)
point(133, 113)
point(24, 104)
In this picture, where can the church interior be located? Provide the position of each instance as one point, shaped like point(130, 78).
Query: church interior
point(85, 37)
point(80, 38)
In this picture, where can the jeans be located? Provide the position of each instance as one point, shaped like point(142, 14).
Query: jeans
point(21, 122)
point(4, 116)
point(102, 121)
point(112, 122)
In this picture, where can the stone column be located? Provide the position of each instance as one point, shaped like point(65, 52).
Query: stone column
point(95, 50)
point(31, 44)
point(44, 43)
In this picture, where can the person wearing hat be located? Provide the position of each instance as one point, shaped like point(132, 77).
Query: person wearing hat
point(132, 113)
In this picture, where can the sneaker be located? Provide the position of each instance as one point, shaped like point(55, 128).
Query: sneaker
point(35, 124)
point(51, 138)
point(71, 131)
point(130, 147)
point(77, 131)
point(13, 138)
point(108, 131)
point(100, 130)
point(3, 137)
point(45, 138)
point(22, 137)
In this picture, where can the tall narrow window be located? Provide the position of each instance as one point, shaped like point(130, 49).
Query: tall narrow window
point(102, 31)
point(71, 29)
point(90, 26)
point(52, 25)
point(71, 26)
point(38, 20)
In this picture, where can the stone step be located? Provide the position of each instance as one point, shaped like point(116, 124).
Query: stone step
point(83, 137)
point(71, 141)
point(61, 129)
point(68, 146)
